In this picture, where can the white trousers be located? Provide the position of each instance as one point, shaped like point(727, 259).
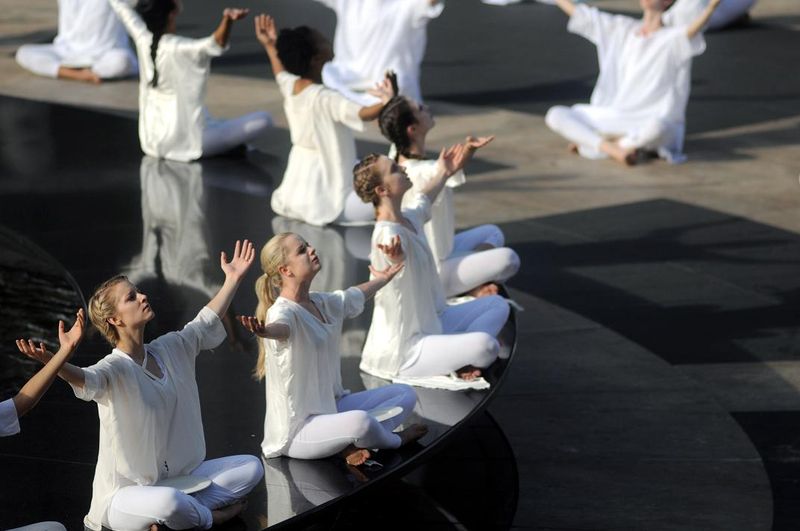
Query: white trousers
point(579, 127)
point(42, 59)
point(466, 269)
point(136, 508)
point(220, 136)
point(326, 435)
point(469, 339)
point(41, 526)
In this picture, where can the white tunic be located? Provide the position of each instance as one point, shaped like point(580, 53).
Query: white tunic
point(9, 423)
point(319, 173)
point(642, 78)
point(150, 428)
point(408, 307)
point(87, 29)
point(303, 373)
point(375, 35)
point(171, 115)
point(441, 229)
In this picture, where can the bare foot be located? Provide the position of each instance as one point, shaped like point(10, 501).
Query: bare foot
point(412, 433)
point(484, 290)
point(572, 148)
point(355, 456)
point(618, 153)
point(223, 514)
point(79, 74)
point(468, 373)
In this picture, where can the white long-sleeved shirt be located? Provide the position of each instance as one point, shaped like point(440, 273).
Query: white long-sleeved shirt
point(87, 29)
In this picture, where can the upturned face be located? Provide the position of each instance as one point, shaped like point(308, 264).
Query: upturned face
point(394, 180)
point(422, 115)
point(132, 308)
point(654, 5)
point(302, 261)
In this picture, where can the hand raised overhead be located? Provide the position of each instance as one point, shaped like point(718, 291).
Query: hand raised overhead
point(266, 31)
point(243, 255)
point(235, 13)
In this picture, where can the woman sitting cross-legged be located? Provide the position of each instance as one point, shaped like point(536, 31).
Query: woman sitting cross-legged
point(309, 415)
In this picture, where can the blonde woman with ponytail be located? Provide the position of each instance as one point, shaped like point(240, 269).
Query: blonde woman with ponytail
point(150, 423)
point(309, 414)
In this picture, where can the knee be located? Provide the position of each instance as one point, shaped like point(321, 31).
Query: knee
point(259, 121)
point(488, 350)
point(361, 423)
point(511, 263)
point(495, 236)
point(499, 307)
point(555, 116)
point(252, 471)
point(408, 396)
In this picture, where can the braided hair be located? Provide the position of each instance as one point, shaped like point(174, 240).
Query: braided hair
point(394, 120)
point(366, 178)
point(155, 14)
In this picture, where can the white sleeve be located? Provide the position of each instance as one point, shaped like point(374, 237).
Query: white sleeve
point(96, 381)
point(284, 316)
point(685, 47)
point(198, 50)
point(133, 23)
point(592, 24)
point(9, 423)
point(341, 109)
point(286, 83)
point(353, 299)
point(424, 11)
point(204, 332)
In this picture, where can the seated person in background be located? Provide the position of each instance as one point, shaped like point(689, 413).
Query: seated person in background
point(316, 185)
point(91, 45)
point(639, 101)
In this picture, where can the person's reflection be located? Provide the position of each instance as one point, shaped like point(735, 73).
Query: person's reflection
point(344, 254)
point(175, 263)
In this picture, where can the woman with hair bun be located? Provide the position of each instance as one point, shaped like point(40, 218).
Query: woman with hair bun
point(309, 414)
point(316, 185)
point(173, 121)
point(414, 333)
point(471, 260)
point(151, 429)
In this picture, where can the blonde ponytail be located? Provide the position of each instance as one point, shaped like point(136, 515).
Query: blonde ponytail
point(268, 288)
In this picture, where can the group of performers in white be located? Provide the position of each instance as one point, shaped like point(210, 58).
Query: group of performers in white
point(152, 468)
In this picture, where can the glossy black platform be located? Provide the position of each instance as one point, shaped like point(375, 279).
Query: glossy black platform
point(76, 209)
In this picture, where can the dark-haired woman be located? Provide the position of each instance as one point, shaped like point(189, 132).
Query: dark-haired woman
point(316, 186)
point(468, 261)
point(173, 121)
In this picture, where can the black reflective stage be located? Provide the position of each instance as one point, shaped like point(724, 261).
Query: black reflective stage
point(78, 204)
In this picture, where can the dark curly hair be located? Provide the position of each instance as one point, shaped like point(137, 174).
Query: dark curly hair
point(394, 119)
point(296, 48)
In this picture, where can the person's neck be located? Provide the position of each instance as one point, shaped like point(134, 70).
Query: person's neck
point(651, 22)
point(296, 291)
point(415, 148)
point(132, 344)
point(390, 209)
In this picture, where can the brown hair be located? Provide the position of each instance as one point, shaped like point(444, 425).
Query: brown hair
point(102, 308)
point(268, 287)
point(366, 178)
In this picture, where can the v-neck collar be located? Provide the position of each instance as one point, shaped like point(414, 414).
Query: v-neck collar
point(320, 321)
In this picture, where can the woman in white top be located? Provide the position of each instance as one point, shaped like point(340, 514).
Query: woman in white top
point(639, 101)
point(373, 36)
point(414, 333)
point(35, 388)
point(309, 414)
point(91, 45)
point(468, 261)
point(150, 422)
point(173, 121)
point(316, 186)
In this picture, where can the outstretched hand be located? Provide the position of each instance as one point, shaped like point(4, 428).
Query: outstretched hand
point(234, 13)
point(253, 325)
point(243, 255)
point(71, 338)
point(394, 250)
point(475, 143)
point(452, 159)
point(384, 90)
point(389, 273)
point(266, 32)
point(30, 349)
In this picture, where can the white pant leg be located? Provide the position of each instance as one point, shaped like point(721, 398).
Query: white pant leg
point(356, 210)
point(232, 477)
point(387, 396)
point(467, 240)
point(573, 126)
point(41, 59)
point(220, 136)
point(445, 353)
point(484, 314)
point(326, 435)
point(41, 526)
point(649, 135)
point(462, 273)
point(117, 62)
point(137, 508)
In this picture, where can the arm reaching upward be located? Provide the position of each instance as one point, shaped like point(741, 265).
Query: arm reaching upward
point(243, 255)
point(567, 6)
point(451, 160)
point(697, 26)
point(267, 35)
point(229, 16)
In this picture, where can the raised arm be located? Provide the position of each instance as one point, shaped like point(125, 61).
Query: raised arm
point(450, 161)
point(384, 91)
point(55, 365)
point(697, 26)
point(567, 6)
point(267, 35)
point(243, 255)
point(229, 16)
point(380, 278)
point(278, 331)
point(133, 23)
